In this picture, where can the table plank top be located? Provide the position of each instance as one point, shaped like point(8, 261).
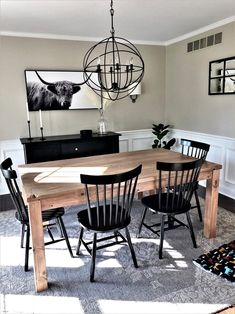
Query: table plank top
point(62, 177)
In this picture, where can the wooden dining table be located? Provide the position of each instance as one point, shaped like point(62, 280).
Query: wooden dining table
point(57, 183)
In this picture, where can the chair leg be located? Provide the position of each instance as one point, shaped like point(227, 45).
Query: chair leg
point(79, 241)
point(198, 205)
point(161, 236)
point(59, 229)
point(131, 247)
point(170, 222)
point(116, 236)
point(26, 263)
point(60, 220)
point(22, 236)
point(93, 256)
point(191, 230)
point(142, 220)
point(50, 233)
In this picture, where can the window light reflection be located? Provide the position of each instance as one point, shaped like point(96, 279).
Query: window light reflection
point(41, 304)
point(174, 253)
point(62, 174)
point(181, 264)
point(56, 255)
point(140, 307)
point(109, 263)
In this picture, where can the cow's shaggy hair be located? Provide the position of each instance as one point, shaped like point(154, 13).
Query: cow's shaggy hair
point(51, 97)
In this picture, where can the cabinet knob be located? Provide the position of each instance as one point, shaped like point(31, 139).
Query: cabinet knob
point(76, 148)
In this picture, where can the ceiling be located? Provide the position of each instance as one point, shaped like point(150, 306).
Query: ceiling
point(140, 21)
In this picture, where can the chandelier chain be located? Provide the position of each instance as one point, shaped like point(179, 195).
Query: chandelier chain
point(112, 14)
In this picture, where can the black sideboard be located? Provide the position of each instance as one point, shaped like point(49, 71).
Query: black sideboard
point(69, 146)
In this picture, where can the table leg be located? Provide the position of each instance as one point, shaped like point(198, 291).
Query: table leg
point(211, 205)
point(37, 236)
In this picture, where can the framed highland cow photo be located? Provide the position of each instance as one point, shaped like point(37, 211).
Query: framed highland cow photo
point(59, 90)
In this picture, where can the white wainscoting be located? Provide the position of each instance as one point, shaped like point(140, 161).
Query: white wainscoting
point(222, 151)
point(135, 140)
point(13, 149)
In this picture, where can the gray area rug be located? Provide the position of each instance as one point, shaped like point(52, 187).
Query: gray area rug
point(171, 285)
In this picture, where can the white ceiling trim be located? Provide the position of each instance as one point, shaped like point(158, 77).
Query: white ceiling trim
point(140, 42)
point(75, 38)
point(201, 30)
point(48, 36)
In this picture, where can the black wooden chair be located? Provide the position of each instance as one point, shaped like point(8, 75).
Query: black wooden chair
point(177, 183)
point(198, 150)
point(22, 216)
point(109, 203)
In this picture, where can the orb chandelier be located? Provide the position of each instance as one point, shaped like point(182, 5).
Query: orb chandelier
point(116, 66)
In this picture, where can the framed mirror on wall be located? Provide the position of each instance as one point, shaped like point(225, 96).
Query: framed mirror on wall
point(222, 76)
point(59, 90)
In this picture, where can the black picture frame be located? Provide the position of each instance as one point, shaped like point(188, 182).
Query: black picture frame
point(59, 90)
point(222, 76)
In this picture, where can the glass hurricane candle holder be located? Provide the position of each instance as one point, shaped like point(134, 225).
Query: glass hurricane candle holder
point(102, 123)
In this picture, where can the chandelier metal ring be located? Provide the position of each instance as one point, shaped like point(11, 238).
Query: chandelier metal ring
point(116, 66)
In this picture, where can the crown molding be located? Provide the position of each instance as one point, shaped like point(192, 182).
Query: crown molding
point(48, 36)
point(75, 38)
point(200, 30)
point(138, 42)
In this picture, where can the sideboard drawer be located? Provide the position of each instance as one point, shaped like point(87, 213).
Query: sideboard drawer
point(75, 149)
point(85, 148)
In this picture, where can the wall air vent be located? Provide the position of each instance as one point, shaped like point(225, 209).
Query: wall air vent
point(205, 42)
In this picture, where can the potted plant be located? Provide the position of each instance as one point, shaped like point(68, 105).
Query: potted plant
point(161, 131)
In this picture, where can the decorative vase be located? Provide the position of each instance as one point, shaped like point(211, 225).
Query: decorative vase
point(102, 123)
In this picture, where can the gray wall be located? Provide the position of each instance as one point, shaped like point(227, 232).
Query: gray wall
point(188, 105)
point(175, 88)
point(18, 54)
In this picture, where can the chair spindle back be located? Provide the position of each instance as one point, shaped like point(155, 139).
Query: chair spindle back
point(194, 149)
point(110, 198)
point(10, 176)
point(177, 182)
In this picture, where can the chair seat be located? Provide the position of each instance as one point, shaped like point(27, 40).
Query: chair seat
point(109, 222)
point(179, 206)
point(47, 215)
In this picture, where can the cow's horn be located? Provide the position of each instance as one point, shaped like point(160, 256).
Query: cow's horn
point(74, 84)
point(44, 82)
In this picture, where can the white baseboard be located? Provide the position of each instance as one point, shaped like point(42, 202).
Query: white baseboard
point(222, 151)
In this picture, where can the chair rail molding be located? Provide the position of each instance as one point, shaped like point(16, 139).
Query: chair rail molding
point(222, 151)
